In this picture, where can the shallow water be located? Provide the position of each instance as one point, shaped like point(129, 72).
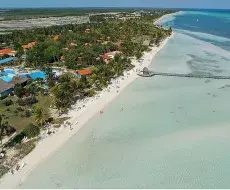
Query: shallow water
point(172, 133)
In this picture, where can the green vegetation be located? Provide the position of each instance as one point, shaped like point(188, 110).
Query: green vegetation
point(57, 122)
point(71, 47)
point(82, 46)
point(31, 131)
point(19, 14)
point(21, 111)
point(18, 151)
point(40, 115)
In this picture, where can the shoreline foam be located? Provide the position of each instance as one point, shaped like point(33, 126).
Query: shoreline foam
point(79, 118)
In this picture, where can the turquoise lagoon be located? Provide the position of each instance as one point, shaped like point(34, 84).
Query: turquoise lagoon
point(172, 133)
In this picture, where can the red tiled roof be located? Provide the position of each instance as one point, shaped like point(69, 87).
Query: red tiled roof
point(84, 72)
point(113, 53)
point(29, 45)
point(105, 56)
point(56, 37)
point(118, 44)
point(7, 51)
point(72, 44)
point(108, 56)
point(87, 30)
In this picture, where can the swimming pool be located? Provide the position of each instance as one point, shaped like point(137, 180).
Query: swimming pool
point(9, 71)
point(8, 77)
point(8, 74)
point(37, 74)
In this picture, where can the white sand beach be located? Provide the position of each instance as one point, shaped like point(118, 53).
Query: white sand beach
point(80, 114)
point(167, 16)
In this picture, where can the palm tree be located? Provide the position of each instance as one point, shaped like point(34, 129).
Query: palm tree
point(40, 115)
point(49, 73)
point(3, 126)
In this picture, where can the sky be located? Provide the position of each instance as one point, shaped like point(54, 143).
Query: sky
point(215, 4)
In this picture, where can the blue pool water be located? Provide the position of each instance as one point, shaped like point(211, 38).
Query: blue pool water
point(7, 78)
point(37, 75)
point(8, 74)
point(9, 71)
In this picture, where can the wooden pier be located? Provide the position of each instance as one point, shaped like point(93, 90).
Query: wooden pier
point(152, 73)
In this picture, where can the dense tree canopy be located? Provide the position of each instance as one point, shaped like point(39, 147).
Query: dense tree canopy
point(79, 46)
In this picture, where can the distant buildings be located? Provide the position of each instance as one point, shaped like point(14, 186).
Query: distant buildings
point(18, 80)
point(84, 72)
point(72, 44)
point(6, 88)
point(7, 60)
point(56, 37)
point(107, 57)
point(87, 30)
point(7, 51)
point(28, 46)
point(62, 58)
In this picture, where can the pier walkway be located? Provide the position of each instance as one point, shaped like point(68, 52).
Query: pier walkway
point(152, 73)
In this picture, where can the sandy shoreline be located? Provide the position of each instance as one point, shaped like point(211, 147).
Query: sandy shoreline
point(89, 108)
point(167, 15)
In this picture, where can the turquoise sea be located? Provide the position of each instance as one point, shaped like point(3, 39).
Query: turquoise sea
point(172, 133)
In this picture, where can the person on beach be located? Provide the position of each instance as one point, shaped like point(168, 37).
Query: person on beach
point(70, 126)
point(17, 167)
point(12, 171)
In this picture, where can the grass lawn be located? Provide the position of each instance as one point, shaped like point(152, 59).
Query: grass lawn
point(17, 118)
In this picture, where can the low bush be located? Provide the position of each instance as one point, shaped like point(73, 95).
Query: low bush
point(8, 102)
point(92, 92)
point(17, 139)
point(27, 113)
point(21, 102)
point(3, 97)
point(10, 130)
point(27, 101)
point(31, 131)
point(20, 109)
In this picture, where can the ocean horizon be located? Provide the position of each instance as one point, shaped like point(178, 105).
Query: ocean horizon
point(172, 133)
point(104, 8)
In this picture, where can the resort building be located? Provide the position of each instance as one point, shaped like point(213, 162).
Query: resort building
point(84, 72)
point(56, 37)
point(18, 80)
point(29, 45)
point(7, 60)
point(87, 30)
point(72, 44)
point(62, 58)
point(8, 52)
point(107, 57)
point(118, 44)
point(5, 88)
